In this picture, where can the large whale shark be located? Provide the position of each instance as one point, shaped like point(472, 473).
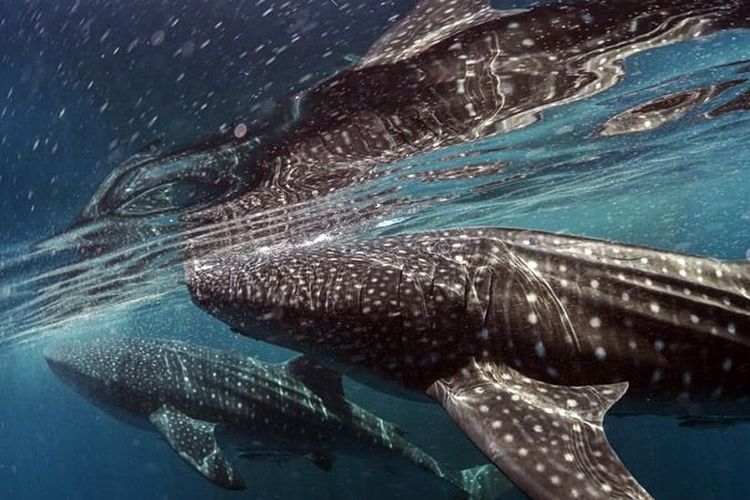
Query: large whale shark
point(454, 71)
point(194, 396)
point(447, 73)
point(526, 338)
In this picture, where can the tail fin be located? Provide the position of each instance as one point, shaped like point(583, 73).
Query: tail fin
point(485, 482)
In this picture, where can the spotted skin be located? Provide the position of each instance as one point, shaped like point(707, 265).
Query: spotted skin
point(190, 393)
point(564, 311)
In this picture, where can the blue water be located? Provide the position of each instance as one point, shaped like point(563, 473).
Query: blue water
point(83, 84)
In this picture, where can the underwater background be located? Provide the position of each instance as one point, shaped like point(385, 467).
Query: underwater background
point(85, 83)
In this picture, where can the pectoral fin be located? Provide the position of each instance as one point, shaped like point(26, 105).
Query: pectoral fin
point(195, 442)
point(548, 439)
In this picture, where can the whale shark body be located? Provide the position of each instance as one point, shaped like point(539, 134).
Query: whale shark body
point(454, 71)
point(526, 338)
point(194, 395)
point(449, 72)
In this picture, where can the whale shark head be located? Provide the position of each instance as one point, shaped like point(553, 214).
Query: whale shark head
point(152, 183)
point(147, 194)
point(102, 370)
point(86, 366)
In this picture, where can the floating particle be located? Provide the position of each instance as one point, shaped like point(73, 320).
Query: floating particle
point(158, 38)
point(240, 130)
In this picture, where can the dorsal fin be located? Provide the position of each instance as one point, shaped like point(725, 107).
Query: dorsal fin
point(430, 22)
point(321, 380)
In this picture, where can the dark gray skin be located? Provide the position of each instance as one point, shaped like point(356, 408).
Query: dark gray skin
point(189, 393)
point(462, 314)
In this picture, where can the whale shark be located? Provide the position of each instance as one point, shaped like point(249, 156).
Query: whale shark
point(196, 396)
point(142, 197)
point(526, 338)
point(447, 73)
point(453, 71)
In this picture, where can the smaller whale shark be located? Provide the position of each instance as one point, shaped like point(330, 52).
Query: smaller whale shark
point(195, 395)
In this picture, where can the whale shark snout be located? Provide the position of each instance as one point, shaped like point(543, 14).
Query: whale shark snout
point(61, 359)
